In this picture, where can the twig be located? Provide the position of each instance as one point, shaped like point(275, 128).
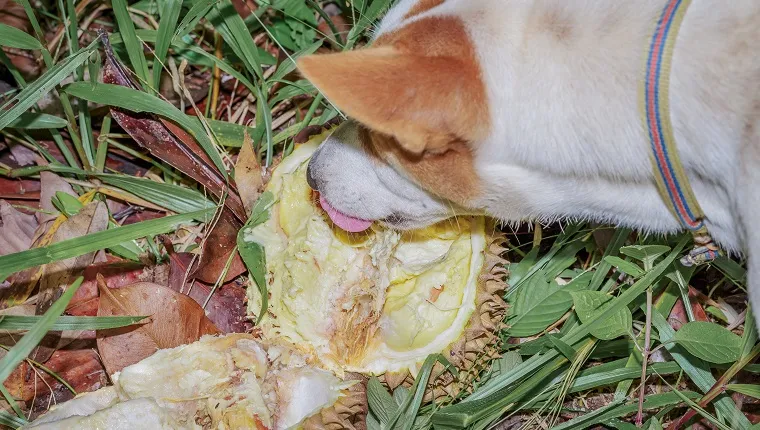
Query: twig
point(645, 358)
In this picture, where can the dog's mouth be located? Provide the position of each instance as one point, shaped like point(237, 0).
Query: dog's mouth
point(346, 222)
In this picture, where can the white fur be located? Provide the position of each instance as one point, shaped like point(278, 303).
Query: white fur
point(567, 141)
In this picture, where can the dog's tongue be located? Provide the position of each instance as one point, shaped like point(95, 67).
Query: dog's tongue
point(348, 223)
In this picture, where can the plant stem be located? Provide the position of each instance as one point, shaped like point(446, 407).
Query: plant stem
point(645, 358)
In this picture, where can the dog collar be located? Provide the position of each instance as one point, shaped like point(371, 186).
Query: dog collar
point(671, 179)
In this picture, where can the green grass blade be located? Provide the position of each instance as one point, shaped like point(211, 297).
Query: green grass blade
point(494, 393)
point(199, 10)
point(166, 27)
point(172, 197)
point(138, 101)
point(37, 121)
point(30, 95)
point(231, 26)
point(12, 263)
point(12, 37)
point(33, 337)
point(11, 421)
point(133, 44)
point(65, 322)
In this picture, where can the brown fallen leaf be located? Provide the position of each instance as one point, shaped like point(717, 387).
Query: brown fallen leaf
point(218, 246)
point(79, 368)
point(251, 177)
point(169, 142)
point(58, 275)
point(176, 319)
point(117, 273)
point(20, 191)
point(226, 307)
point(16, 229)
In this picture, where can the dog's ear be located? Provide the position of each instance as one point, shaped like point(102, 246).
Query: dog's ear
point(422, 101)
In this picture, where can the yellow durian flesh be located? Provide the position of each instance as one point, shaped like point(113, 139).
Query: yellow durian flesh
point(375, 302)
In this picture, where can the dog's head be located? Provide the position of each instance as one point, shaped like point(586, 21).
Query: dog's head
point(417, 106)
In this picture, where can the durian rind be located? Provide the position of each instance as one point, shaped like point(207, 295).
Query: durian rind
point(469, 341)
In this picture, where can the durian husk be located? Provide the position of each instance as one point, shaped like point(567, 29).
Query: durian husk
point(479, 345)
point(228, 382)
point(349, 412)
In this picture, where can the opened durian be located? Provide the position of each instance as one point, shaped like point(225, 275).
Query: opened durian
point(230, 382)
point(377, 302)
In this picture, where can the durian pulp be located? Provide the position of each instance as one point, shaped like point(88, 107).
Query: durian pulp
point(375, 302)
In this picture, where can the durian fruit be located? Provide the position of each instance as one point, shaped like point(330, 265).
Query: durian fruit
point(229, 382)
point(377, 302)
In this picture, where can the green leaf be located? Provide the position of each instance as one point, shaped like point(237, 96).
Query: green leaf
point(562, 347)
point(23, 322)
point(289, 64)
point(12, 37)
point(546, 307)
point(30, 95)
point(252, 253)
point(133, 44)
point(587, 304)
point(138, 101)
point(33, 337)
point(66, 203)
point(172, 197)
point(11, 420)
point(168, 23)
point(709, 342)
point(231, 26)
point(381, 404)
point(625, 266)
point(647, 254)
point(37, 121)
point(12, 263)
point(751, 390)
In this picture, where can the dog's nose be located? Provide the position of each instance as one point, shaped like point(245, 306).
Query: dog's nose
point(310, 177)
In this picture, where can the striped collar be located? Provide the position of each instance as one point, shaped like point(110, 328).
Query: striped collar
point(655, 111)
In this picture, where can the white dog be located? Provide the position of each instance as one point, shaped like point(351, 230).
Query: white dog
point(529, 109)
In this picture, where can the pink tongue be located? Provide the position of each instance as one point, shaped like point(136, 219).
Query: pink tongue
point(348, 223)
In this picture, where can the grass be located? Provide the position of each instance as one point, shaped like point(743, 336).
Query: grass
point(583, 320)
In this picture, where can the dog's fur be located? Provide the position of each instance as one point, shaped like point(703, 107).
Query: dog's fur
point(528, 109)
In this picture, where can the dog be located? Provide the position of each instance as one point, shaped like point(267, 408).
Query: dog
point(528, 110)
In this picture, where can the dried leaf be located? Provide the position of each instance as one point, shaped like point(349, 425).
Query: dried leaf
point(220, 243)
point(117, 274)
point(23, 191)
point(171, 143)
point(58, 275)
point(16, 229)
point(176, 320)
point(226, 308)
point(250, 176)
point(79, 368)
point(22, 155)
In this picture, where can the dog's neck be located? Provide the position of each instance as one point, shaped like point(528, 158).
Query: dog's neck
point(568, 141)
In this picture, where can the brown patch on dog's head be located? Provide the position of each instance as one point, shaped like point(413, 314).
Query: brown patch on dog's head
point(419, 90)
point(450, 174)
point(422, 6)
